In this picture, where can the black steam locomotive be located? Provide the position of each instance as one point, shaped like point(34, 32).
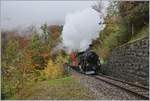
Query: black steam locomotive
point(88, 62)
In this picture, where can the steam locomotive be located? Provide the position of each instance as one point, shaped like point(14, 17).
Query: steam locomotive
point(86, 62)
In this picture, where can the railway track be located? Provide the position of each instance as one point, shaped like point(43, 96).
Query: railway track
point(137, 90)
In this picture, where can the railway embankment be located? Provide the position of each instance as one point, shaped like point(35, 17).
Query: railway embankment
point(130, 62)
point(103, 90)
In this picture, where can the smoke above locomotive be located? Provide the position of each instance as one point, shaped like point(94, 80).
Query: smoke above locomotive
point(81, 27)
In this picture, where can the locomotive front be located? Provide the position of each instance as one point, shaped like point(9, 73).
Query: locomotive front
point(86, 62)
point(89, 62)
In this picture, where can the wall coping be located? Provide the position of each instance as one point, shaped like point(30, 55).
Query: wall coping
point(129, 43)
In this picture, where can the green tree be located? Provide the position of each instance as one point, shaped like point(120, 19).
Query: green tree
point(135, 14)
point(46, 37)
point(9, 68)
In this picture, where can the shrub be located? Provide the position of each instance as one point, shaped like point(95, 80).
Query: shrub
point(53, 70)
point(104, 53)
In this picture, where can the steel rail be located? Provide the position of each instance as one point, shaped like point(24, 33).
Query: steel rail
point(129, 83)
point(124, 88)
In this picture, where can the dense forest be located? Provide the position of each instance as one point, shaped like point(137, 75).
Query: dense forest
point(27, 59)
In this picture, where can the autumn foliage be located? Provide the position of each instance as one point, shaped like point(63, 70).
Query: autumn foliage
point(27, 59)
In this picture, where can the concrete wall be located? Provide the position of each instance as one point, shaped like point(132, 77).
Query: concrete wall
point(130, 62)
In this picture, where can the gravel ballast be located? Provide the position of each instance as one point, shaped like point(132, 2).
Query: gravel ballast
point(102, 90)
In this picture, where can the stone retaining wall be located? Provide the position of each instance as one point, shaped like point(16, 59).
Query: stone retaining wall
point(130, 62)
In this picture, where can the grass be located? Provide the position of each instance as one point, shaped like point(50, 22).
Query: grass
point(58, 89)
point(60, 81)
point(141, 34)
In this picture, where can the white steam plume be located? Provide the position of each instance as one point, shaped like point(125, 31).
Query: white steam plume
point(81, 28)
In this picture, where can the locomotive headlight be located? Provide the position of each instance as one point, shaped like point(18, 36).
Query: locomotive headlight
point(87, 64)
point(99, 64)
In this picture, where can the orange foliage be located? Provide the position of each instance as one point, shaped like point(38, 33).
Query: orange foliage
point(55, 30)
point(74, 59)
point(23, 42)
point(45, 54)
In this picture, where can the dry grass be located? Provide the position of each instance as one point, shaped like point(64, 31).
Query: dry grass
point(58, 89)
